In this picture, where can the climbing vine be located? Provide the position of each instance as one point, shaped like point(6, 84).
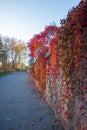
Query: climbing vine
point(63, 48)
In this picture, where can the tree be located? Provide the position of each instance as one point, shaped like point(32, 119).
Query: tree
point(3, 55)
point(17, 52)
point(12, 53)
point(0, 49)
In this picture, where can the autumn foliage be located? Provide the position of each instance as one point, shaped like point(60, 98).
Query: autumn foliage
point(63, 48)
point(66, 45)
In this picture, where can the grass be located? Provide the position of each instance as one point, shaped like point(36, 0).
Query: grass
point(4, 73)
point(10, 72)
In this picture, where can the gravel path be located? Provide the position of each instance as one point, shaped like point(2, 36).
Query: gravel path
point(20, 105)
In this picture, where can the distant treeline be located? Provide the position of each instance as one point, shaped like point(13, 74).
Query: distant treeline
point(12, 54)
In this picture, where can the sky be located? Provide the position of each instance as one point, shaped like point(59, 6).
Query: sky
point(22, 19)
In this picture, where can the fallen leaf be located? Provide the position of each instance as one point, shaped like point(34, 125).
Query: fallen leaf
point(33, 123)
point(10, 128)
point(57, 122)
point(8, 119)
point(53, 126)
point(26, 112)
point(41, 118)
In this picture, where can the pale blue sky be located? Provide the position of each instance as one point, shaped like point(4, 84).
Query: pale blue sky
point(24, 18)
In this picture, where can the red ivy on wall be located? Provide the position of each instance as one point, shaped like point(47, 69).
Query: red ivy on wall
point(65, 44)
